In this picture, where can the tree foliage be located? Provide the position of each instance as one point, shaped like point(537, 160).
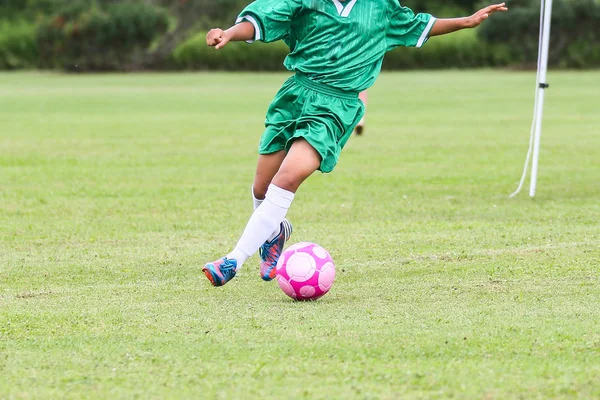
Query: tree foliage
point(575, 32)
point(114, 36)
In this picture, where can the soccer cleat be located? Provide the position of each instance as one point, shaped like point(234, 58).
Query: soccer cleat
point(270, 251)
point(221, 271)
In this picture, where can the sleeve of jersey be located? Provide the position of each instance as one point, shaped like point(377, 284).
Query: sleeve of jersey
point(271, 18)
point(408, 29)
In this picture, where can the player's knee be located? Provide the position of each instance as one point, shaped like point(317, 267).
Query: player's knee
point(259, 189)
point(287, 180)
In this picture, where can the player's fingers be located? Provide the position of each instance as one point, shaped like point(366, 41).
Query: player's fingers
point(499, 7)
point(218, 39)
point(498, 10)
point(491, 8)
point(210, 38)
point(222, 42)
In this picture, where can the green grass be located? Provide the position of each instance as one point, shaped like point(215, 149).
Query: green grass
point(115, 189)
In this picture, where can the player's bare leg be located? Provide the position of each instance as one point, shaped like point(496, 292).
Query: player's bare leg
point(300, 162)
point(360, 127)
point(266, 168)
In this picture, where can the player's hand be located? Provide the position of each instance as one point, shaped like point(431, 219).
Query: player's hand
point(217, 38)
point(481, 15)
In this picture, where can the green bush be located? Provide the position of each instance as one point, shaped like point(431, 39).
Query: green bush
point(194, 54)
point(113, 38)
point(18, 48)
point(574, 40)
point(29, 10)
point(581, 54)
point(458, 50)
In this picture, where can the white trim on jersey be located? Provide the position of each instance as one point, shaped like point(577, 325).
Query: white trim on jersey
point(344, 11)
point(348, 8)
point(339, 6)
point(251, 19)
point(425, 34)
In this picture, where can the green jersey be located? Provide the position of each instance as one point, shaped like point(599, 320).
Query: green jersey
point(340, 44)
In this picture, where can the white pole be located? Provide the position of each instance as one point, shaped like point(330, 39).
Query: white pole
point(543, 69)
point(540, 85)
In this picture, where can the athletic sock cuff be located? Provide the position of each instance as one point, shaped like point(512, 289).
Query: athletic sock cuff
point(280, 197)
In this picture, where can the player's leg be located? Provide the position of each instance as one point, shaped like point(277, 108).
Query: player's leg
point(283, 111)
point(360, 127)
point(267, 167)
point(269, 251)
point(221, 271)
point(300, 162)
point(285, 108)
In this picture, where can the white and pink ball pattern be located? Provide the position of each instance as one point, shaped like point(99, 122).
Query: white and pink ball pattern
point(305, 271)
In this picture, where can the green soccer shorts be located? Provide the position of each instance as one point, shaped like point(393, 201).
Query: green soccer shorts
point(322, 115)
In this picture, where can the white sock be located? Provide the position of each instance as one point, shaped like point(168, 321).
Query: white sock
point(265, 219)
point(256, 202)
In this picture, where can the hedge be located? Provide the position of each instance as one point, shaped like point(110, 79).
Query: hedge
point(194, 54)
point(458, 50)
point(115, 37)
point(18, 47)
point(574, 39)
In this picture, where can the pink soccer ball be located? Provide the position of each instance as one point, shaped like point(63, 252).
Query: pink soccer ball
point(305, 271)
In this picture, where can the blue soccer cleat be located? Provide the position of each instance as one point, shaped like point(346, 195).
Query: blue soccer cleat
point(270, 251)
point(221, 271)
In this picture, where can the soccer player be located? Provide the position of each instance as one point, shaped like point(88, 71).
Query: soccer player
point(336, 51)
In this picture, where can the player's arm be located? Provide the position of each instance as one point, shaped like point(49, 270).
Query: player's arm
point(449, 25)
point(244, 31)
point(262, 20)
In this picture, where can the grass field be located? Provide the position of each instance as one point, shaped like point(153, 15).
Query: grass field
point(115, 189)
